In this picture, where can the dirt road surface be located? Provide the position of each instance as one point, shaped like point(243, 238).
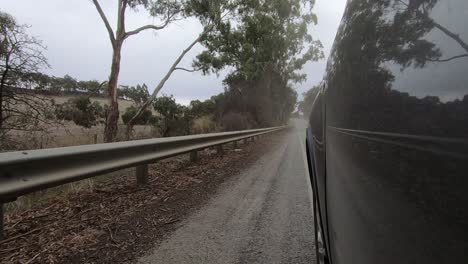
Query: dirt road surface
point(263, 215)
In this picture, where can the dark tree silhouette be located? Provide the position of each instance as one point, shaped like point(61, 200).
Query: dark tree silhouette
point(382, 33)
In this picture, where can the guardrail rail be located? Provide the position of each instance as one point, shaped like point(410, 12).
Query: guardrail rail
point(24, 172)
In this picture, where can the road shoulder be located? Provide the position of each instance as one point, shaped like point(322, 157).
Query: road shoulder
point(116, 221)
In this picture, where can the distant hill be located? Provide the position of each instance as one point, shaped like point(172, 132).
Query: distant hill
point(63, 97)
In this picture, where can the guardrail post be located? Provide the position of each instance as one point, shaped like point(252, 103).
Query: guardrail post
point(246, 141)
point(234, 145)
point(219, 149)
point(1, 221)
point(95, 138)
point(142, 174)
point(194, 156)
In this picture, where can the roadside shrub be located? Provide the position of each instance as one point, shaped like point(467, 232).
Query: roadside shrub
point(204, 124)
point(144, 118)
point(81, 111)
point(233, 121)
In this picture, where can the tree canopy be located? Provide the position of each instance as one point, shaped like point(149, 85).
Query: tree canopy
point(82, 111)
point(265, 45)
point(263, 34)
point(305, 106)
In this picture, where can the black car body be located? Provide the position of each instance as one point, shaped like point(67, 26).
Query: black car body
point(387, 140)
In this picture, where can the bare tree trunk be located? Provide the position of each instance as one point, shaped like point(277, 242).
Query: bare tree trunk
point(110, 130)
point(117, 40)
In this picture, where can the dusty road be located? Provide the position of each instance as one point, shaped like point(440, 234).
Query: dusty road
point(263, 215)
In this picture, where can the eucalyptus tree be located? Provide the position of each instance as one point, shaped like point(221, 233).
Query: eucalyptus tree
point(265, 34)
point(266, 45)
point(305, 106)
point(165, 10)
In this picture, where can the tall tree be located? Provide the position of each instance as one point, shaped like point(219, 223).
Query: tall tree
point(20, 55)
point(265, 47)
point(305, 106)
point(265, 34)
point(166, 10)
point(169, 110)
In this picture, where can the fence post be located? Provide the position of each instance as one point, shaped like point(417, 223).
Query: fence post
point(194, 156)
point(219, 149)
point(1, 221)
point(142, 174)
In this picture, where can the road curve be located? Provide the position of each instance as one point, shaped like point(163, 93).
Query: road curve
point(262, 216)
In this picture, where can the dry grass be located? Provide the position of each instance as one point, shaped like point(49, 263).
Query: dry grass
point(204, 124)
point(26, 202)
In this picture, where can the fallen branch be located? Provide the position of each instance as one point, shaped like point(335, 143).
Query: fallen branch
point(20, 235)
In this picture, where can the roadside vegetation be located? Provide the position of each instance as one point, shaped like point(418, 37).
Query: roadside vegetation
point(305, 106)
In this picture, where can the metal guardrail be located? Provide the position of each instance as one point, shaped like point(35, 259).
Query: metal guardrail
point(24, 172)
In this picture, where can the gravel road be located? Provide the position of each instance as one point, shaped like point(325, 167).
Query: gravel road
point(263, 215)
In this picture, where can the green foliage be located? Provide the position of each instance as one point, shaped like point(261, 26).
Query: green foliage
point(198, 108)
point(143, 119)
point(268, 34)
point(171, 114)
point(92, 87)
point(81, 111)
point(57, 85)
point(69, 84)
point(305, 106)
point(167, 107)
point(266, 45)
point(138, 94)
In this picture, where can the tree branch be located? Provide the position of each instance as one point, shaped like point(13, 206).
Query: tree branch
point(187, 70)
point(444, 30)
point(121, 19)
point(177, 61)
point(165, 78)
point(138, 30)
point(452, 35)
point(449, 59)
point(106, 22)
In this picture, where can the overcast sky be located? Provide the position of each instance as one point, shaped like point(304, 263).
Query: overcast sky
point(78, 45)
